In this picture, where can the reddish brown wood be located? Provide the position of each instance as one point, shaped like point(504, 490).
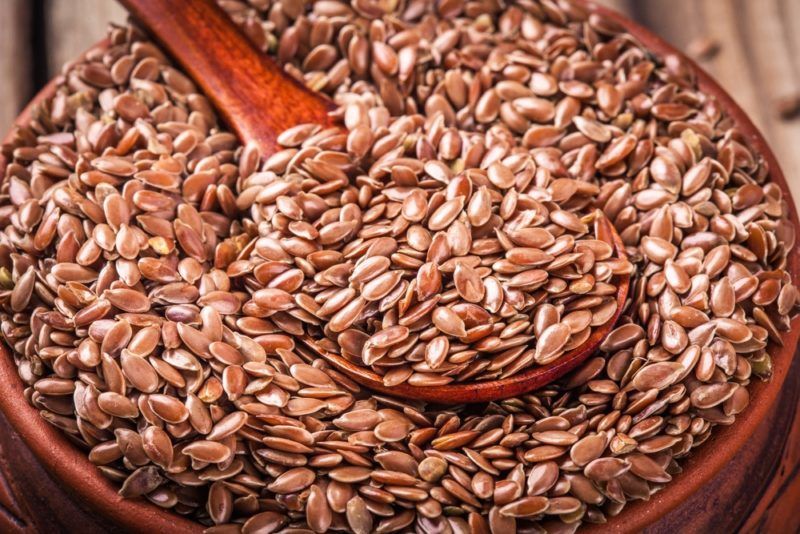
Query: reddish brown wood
point(248, 89)
point(492, 390)
point(757, 491)
point(32, 502)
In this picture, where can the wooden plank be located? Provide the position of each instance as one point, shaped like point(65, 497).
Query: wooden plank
point(765, 33)
point(677, 21)
point(789, 10)
point(15, 71)
point(731, 66)
point(75, 25)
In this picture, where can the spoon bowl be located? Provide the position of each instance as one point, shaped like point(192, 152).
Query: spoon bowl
point(490, 390)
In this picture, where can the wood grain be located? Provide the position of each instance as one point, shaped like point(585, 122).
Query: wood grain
point(15, 72)
point(72, 26)
point(30, 501)
point(772, 63)
point(248, 89)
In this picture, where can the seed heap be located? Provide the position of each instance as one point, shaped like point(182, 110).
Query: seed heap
point(124, 186)
point(423, 274)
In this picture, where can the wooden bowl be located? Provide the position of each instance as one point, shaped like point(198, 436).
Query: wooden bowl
point(725, 441)
point(97, 499)
point(80, 480)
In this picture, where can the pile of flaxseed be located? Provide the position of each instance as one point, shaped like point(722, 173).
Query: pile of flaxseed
point(156, 274)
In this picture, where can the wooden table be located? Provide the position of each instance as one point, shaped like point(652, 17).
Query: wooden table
point(757, 62)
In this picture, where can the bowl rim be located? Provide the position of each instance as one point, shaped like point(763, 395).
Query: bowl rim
point(67, 463)
point(71, 467)
point(705, 462)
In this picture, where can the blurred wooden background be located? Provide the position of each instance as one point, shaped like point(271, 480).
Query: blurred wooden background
point(757, 56)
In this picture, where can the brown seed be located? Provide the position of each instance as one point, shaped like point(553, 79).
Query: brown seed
point(158, 446)
point(436, 351)
point(550, 343)
point(139, 372)
point(431, 469)
point(141, 482)
point(358, 516)
point(228, 425)
point(588, 449)
point(168, 408)
point(220, 503)
point(117, 405)
point(264, 522)
point(622, 337)
point(23, 290)
point(318, 512)
point(468, 283)
point(710, 395)
point(415, 206)
point(604, 469)
point(448, 322)
point(445, 214)
point(292, 481)
point(429, 281)
point(658, 375)
point(658, 250)
point(388, 337)
point(479, 210)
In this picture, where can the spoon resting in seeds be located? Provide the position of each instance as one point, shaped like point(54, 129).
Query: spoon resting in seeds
point(536, 367)
point(267, 108)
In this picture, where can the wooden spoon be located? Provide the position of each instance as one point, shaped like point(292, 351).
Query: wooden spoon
point(258, 101)
point(492, 390)
point(249, 90)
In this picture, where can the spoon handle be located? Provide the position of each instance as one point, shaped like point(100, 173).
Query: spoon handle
point(249, 90)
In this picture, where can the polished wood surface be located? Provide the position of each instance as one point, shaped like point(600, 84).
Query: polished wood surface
point(758, 489)
point(31, 501)
point(248, 89)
